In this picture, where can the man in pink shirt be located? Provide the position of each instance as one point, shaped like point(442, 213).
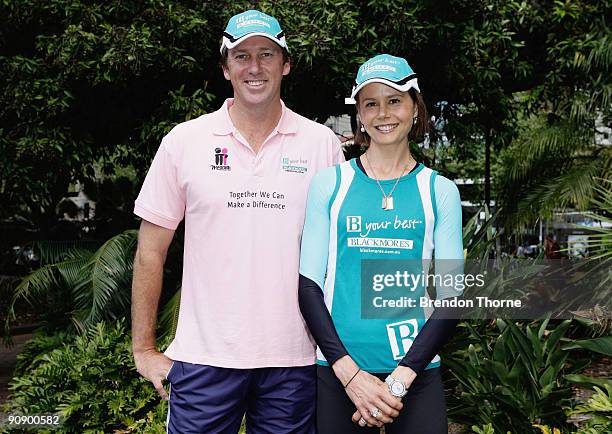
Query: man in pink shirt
point(239, 178)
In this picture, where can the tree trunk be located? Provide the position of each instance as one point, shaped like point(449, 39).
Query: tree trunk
point(487, 186)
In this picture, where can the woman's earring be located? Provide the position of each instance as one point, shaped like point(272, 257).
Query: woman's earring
point(362, 129)
point(414, 121)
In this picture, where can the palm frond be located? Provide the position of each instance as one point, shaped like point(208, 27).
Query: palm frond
point(574, 187)
point(105, 291)
point(599, 56)
point(600, 242)
point(542, 141)
point(542, 193)
point(52, 252)
point(32, 289)
point(71, 269)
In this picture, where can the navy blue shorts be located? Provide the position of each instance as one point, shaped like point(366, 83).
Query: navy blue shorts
point(209, 399)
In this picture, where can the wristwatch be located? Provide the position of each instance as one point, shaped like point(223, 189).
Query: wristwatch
point(396, 387)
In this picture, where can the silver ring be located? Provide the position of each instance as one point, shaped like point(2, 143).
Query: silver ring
point(362, 422)
point(375, 413)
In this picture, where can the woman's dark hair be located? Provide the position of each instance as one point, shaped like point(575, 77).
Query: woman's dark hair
point(418, 130)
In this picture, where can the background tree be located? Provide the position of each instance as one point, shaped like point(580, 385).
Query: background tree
point(562, 155)
point(89, 89)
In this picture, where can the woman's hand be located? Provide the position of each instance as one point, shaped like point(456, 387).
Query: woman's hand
point(369, 394)
point(402, 373)
point(385, 392)
point(389, 409)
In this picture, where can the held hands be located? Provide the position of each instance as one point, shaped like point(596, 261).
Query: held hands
point(402, 373)
point(369, 394)
point(154, 366)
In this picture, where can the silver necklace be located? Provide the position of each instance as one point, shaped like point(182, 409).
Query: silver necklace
point(387, 200)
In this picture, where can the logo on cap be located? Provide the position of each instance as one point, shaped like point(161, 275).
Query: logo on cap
point(384, 68)
point(252, 23)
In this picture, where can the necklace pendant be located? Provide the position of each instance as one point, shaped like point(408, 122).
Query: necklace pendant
point(387, 203)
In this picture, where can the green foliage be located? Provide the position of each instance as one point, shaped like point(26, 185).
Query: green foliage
point(89, 86)
point(479, 239)
point(551, 167)
point(32, 352)
point(511, 377)
point(600, 241)
point(485, 429)
point(598, 409)
point(89, 380)
point(557, 154)
point(545, 429)
point(602, 345)
point(81, 81)
point(85, 287)
point(74, 289)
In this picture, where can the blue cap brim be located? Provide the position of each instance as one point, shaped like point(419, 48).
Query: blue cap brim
point(405, 87)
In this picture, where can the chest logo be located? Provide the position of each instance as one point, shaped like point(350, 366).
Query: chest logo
point(221, 160)
point(354, 225)
point(401, 336)
point(295, 165)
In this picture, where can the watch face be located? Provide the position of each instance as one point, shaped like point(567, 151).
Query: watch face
point(397, 388)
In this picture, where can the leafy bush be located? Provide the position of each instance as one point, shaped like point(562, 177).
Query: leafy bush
point(485, 429)
point(89, 380)
point(599, 411)
point(77, 288)
point(92, 286)
point(34, 350)
point(511, 377)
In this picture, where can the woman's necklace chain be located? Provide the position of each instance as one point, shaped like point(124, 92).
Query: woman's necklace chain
point(387, 200)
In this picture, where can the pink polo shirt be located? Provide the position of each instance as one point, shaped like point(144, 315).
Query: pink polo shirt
point(244, 214)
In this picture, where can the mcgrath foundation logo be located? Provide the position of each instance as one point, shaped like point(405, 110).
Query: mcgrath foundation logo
point(221, 157)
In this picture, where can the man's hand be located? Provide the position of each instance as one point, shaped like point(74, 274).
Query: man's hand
point(154, 366)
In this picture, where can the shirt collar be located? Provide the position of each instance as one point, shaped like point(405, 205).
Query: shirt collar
point(224, 126)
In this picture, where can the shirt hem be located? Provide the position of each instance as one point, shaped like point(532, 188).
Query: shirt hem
point(244, 364)
point(386, 369)
point(155, 218)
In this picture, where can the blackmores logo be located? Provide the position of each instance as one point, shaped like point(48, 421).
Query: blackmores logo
point(221, 156)
point(401, 336)
point(367, 231)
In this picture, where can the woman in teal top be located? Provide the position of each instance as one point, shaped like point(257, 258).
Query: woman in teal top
point(373, 224)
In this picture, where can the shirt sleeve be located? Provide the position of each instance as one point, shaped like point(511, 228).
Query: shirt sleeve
point(448, 235)
point(337, 150)
point(319, 321)
point(313, 266)
point(161, 200)
point(448, 251)
point(315, 237)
